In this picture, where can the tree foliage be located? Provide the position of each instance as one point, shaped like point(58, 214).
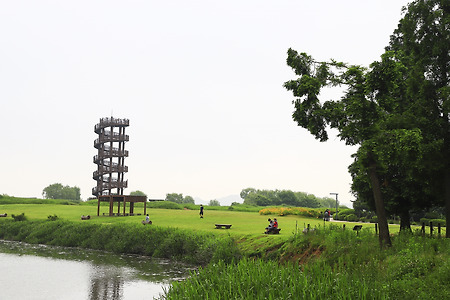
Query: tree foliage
point(421, 42)
point(214, 202)
point(179, 198)
point(58, 191)
point(397, 112)
point(137, 193)
point(253, 196)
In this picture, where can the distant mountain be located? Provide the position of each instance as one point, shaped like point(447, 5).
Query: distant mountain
point(224, 201)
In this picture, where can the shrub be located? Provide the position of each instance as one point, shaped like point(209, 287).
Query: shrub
point(284, 211)
point(20, 217)
point(351, 218)
point(438, 221)
point(343, 213)
point(52, 218)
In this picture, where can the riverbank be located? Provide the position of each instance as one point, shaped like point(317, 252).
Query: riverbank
point(326, 262)
point(198, 248)
point(243, 263)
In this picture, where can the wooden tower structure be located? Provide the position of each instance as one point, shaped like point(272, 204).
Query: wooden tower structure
point(110, 161)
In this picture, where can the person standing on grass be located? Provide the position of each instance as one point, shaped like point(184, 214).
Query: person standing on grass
point(201, 211)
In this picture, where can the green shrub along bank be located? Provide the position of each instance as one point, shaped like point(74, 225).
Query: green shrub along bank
point(329, 264)
point(193, 247)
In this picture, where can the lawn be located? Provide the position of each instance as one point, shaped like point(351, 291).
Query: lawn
point(243, 223)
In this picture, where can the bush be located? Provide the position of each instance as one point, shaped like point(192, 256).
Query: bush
point(351, 218)
point(20, 217)
point(52, 218)
point(299, 211)
point(438, 221)
point(343, 213)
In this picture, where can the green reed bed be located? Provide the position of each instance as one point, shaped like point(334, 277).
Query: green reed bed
point(330, 264)
point(258, 279)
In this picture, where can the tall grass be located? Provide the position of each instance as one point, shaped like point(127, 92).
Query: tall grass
point(338, 265)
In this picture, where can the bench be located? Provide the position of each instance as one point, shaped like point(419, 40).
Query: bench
point(274, 231)
point(357, 227)
point(220, 226)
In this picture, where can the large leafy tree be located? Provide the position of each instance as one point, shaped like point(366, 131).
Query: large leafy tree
point(396, 112)
point(421, 42)
point(357, 115)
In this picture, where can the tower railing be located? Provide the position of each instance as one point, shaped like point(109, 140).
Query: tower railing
point(110, 158)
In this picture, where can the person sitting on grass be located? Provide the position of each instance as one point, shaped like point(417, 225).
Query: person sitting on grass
point(147, 220)
point(270, 227)
point(275, 224)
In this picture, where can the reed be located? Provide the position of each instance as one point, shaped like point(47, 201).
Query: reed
point(349, 266)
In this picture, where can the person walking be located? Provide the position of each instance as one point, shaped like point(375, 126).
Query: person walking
point(201, 211)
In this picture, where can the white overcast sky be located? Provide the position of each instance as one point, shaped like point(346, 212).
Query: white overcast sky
point(201, 82)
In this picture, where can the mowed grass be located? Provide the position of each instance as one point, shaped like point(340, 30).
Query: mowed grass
point(243, 223)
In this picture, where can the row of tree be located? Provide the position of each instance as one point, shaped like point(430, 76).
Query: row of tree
point(397, 111)
point(58, 191)
point(180, 199)
point(252, 196)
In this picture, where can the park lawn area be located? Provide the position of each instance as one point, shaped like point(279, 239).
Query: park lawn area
point(243, 223)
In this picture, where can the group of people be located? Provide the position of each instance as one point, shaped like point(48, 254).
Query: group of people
point(273, 225)
point(327, 215)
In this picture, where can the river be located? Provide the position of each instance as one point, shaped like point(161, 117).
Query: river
point(47, 272)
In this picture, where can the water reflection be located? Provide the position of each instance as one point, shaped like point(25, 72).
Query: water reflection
point(45, 272)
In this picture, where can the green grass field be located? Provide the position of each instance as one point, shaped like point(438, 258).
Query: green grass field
point(243, 223)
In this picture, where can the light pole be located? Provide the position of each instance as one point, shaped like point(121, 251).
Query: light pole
point(334, 217)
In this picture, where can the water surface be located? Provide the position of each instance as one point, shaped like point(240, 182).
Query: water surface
point(47, 272)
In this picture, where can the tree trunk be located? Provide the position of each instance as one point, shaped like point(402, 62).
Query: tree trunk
point(447, 202)
point(405, 221)
point(384, 237)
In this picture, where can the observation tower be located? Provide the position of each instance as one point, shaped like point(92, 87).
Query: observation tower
point(110, 159)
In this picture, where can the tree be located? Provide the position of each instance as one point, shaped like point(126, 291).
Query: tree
point(355, 115)
point(58, 191)
point(306, 200)
point(138, 193)
point(245, 192)
point(397, 108)
point(214, 203)
point(421, 42)
point(188, 199)
point(288, 197)
point(174, 197)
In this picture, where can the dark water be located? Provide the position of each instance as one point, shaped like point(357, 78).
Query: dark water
point(47, 272)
